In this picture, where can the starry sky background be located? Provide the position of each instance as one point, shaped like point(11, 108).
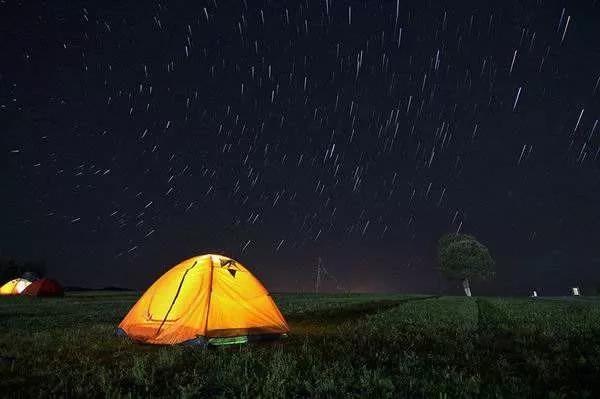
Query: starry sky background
point(138, 134)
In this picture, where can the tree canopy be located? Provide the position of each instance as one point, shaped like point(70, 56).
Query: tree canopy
point(10, 268)
point(463, 257)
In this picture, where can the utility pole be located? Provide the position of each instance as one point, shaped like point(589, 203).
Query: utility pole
point(319, 268)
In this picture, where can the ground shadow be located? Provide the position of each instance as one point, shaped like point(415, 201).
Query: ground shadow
point(319, 321)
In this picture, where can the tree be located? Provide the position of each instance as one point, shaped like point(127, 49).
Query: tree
point(10, 268)
point(464, 258)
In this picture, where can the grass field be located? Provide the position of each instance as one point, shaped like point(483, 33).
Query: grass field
point(340, 346)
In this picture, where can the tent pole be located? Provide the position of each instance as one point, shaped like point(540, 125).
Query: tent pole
point(210, 285)
point(175, 298)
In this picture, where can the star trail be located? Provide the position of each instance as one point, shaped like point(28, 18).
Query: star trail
point(139, 134)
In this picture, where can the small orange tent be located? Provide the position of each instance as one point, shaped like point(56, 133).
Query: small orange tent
point(14, 287)
point(209, 299)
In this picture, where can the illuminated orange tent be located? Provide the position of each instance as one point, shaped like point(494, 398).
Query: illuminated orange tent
point(14, 287)
point(208, 299)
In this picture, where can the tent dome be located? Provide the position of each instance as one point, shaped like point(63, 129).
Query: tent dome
point(208, 299)
point(44, 287)
point(14, 287)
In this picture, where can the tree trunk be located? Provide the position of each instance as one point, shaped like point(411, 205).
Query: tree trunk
point(466, 287)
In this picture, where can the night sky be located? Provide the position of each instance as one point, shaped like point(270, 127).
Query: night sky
point(137, 134)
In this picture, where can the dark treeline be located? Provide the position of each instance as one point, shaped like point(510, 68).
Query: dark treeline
point(12, 268)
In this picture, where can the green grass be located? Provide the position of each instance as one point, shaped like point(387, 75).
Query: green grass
point(340, 346)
